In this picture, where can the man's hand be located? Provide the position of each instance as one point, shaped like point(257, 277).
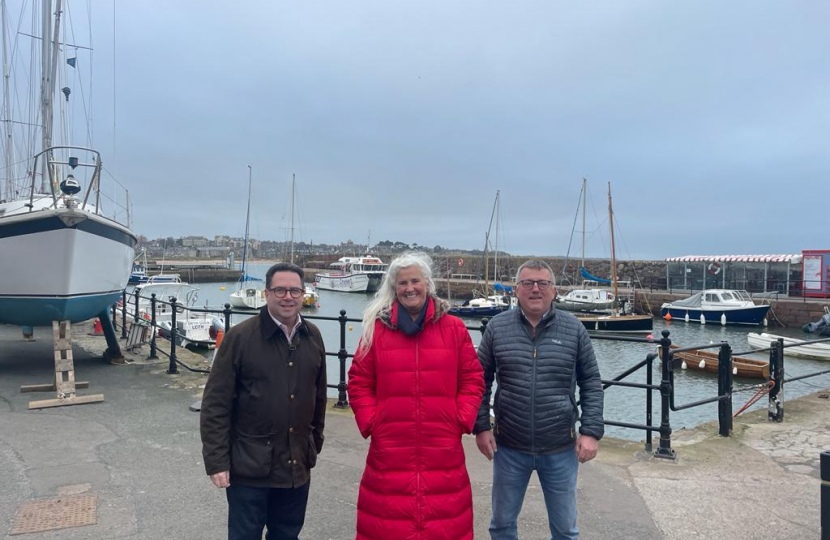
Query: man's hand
point(486, 444)
point(586, 448)
point(221, 479)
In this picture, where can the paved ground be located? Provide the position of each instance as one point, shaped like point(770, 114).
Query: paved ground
point(139, 453)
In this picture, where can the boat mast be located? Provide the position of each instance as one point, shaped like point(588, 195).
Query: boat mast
point(247, 222)
point(49, 67)
point(584, 196)
point(6, 110)
point(613, 252)
point(293, 183)
point(487, 244)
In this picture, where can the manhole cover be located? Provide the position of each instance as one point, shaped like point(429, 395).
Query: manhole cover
point(50, 514)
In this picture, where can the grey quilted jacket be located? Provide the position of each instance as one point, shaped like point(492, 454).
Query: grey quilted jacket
point(535, 405)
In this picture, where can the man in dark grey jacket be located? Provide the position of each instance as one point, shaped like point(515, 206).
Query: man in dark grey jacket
point(538, 356)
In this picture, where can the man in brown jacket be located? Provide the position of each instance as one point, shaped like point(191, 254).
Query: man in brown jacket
point(263, 412)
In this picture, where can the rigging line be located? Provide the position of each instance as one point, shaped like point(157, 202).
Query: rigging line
point(114, 125)
point(570, 242)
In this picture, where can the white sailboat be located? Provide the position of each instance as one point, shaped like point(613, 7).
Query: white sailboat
point(62, 257)
point(247, 296)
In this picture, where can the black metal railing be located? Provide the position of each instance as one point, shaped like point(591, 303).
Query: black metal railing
point(666, 356)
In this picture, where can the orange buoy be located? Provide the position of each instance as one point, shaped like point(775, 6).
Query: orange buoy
point(220, 335)
point(668, 316)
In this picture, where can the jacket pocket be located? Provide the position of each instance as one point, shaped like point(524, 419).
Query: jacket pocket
point(251, 456)
point(311, 457)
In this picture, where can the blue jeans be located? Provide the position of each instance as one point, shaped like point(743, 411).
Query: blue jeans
point(557, 474)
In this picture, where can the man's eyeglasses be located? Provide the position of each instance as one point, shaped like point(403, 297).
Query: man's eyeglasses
point(529, 283)
point(279, 292)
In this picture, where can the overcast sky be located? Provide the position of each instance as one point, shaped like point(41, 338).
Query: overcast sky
point(710, 119)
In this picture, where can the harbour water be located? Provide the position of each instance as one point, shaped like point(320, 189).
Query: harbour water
point(614, 357)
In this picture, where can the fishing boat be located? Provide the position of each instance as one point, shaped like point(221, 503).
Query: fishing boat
point(353, 274)
point(587, 300)
point(726, 306)
point(484, 307)
point(247, 296)
point(311, 299)
point(707, 361)
point(799, 347)
point(65, 255)
point(620, 320)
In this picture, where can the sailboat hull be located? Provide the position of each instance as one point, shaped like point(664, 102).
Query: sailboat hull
point(61, 264)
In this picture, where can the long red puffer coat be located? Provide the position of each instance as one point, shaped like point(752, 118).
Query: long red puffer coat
point(415, 396)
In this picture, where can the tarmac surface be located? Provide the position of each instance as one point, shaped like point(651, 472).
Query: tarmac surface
point(139, 453)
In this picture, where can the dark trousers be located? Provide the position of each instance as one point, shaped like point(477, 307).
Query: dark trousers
point(250, 509)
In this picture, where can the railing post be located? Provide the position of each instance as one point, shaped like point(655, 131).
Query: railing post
point(172, 369)
point(114, 315)
point(649, 406)
point(775, 413)
point(227, 313)
point(342, 355)
point(124, 314)
point(664, 450)
point(725, 390)
point(824, 461)
point(153, 352)
point(136, 315)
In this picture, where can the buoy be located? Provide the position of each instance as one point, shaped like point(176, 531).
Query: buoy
point(702, 318)
point(98, 330)
point(702, 364)
point(650, 336)
point(351, 328)
point(668, 316)
point(222, 288)
point(765, 321)
point(220, 335)
point(723, 319)
point(683, 365)
point(734, 371)
point(687, 317)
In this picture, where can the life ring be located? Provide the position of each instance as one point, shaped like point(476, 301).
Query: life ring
point(714, 269)
point(460, 262)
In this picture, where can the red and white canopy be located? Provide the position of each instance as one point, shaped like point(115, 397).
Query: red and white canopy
point(794, 259)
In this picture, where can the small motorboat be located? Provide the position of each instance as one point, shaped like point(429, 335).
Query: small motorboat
point(821, 326)
point(722, 306)
point(586, 300)
point(816, 351)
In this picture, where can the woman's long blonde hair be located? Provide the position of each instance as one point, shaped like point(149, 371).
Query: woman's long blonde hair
point(387, 295)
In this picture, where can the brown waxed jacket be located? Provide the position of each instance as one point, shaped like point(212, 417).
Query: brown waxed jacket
point(264, 404)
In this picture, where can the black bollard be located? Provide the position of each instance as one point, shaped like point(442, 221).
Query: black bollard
point(227, 314)
point(136, 314)
point(172, 369)
point(664, 450)
point(725, 390)
point(153, 351)
point(775, 412)
point(342, 355)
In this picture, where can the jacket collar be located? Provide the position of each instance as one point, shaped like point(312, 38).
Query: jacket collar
point(268, 327)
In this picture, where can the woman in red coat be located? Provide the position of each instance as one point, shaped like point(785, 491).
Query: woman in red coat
point(415, 386)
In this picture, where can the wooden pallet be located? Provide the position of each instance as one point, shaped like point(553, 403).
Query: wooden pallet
point(65, 384)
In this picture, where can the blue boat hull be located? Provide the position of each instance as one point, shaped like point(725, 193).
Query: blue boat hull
point(466, 311)
point(748, 316)
point(34, 311)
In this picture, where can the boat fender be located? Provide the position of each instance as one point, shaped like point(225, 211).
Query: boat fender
point(667, 316)
point(734, 371)
point(687, 317)
point(684, 365)
point(723, 319)
point(702, 364)
point(764, 321)
point(702, 318)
